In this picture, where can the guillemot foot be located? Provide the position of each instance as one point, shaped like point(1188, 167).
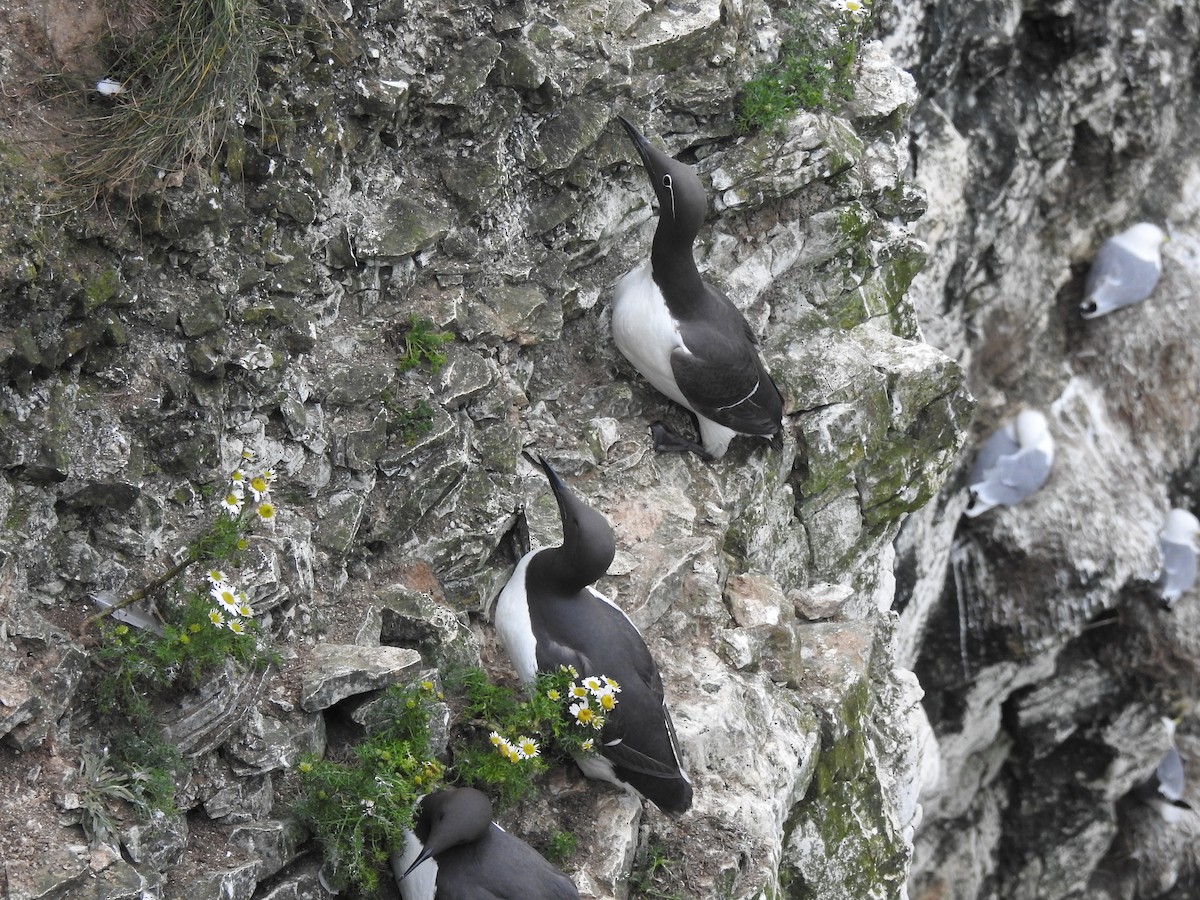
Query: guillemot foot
point(667, 441)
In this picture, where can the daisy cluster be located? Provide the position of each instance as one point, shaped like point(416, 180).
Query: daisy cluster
point(592, 699)
point(258, 486)
point(523, 748)
point(232, 609)
point(568, 703)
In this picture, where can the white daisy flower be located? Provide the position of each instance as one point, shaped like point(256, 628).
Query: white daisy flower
point(527, 746)
point(226, 595)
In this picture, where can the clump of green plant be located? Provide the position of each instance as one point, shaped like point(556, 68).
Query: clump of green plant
point(560, 846)
point(560, 713)
point(360, 808)
point(408, 423)
point(815, 65)
point(423, 344)
point(653, 876)
point(180, 74)
point(97, 787)
point(199, 628)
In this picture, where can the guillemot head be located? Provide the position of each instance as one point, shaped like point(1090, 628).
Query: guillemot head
point(681, 198)
point(449, 818)
point(588, 539)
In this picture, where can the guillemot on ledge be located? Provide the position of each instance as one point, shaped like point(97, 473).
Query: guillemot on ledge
point(686, 337)
point(549, 615)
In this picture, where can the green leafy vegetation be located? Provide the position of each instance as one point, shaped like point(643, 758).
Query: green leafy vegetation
point(422, 345)
point(560, 847)
point(180, 74)
point(98, 787)
point(409, 423)
point(359, 806)
point(815, 66)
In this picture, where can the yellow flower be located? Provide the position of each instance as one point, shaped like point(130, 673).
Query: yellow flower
point(578, 690)
point(214, 616)
point(553, 694)
point(587, 745)
point(592, 683)
point(495, 738)
point(607, 701)
point(237, 626)
point(427, 685)
point(612, 684)
point(266, 511)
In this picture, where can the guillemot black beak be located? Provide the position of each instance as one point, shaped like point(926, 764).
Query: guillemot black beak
point(425, 854)
point(561, 491)
point(645, 149)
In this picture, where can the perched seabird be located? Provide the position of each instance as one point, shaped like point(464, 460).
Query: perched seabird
point(1013, 463)
point(456, 852)
point(1164, 791)
point(1178, 543)
point(684, 335)
point(549, 615)
point(1125, 270)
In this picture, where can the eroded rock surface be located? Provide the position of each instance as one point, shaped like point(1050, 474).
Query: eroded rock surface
point(431, 166)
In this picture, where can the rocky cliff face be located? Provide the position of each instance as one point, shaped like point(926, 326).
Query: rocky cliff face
point(1043, 129)
point(461, 164)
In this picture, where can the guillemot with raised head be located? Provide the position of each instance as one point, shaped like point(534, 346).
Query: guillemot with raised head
point(548, 615)
point(685, 336)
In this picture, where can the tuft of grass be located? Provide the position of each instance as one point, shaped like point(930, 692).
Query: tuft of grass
point(422, 344)
point(654, 876)
point(187, 72)
point(99, 786)
point(814, 71)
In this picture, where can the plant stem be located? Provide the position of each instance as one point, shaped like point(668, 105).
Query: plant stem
point(144, 591)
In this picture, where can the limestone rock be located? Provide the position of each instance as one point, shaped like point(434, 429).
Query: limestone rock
point(157, 843)
point(338, 671)
point(205, 719)
point(414, 619)
point(264, 743)
point(274, 841)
